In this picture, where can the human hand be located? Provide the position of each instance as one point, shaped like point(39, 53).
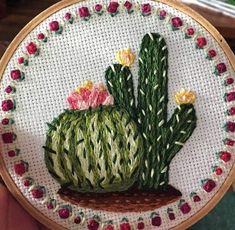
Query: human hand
point(12, 215)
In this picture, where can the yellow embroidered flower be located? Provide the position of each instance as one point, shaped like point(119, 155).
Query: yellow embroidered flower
point(86, 85)
point(125, 57)
point(185, 97)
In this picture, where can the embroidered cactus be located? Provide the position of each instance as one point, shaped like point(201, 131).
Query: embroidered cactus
point(162, 139)
point(94, 150)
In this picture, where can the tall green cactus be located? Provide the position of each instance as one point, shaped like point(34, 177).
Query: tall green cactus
point(162, 139)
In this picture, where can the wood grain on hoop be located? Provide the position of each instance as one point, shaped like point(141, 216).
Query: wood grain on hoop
point(65, 3)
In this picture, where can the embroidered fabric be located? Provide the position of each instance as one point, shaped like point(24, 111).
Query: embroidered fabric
point(83, 51)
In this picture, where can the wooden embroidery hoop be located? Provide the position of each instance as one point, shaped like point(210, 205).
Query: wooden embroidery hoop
point(37, 20)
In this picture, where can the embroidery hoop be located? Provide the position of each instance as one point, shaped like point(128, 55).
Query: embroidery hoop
point(4, 172)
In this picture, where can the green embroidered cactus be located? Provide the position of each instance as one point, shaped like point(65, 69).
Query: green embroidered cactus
point(95, 150)
point(162, 139)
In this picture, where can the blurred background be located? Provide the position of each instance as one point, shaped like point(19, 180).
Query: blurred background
point(15, 14)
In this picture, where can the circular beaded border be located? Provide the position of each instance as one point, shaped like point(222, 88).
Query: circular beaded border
point(113, 8)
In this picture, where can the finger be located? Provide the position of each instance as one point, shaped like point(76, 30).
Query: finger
point(4, 200)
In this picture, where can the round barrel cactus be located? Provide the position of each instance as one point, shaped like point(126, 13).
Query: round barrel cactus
point(94, 150)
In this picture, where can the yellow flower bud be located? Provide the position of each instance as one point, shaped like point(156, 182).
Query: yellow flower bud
point(185, 97)
point(125, 57)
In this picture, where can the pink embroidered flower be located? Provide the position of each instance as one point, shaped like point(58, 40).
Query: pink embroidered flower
point(208, 185)
point(8, 138)
point(32, 48)
point(128, 5)
point(201, 42)
point(89, 95)
point(196, 198)
point(54, 26)
point(7, 105)
point(93, 224)
point(176, 23)
point(83, 12)
point(16, 75)
point(20, 168)
point(162, 14)
point(113, 8)
point(146, 9)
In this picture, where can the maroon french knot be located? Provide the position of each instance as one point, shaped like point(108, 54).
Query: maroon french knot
point(185, 208)
point(209, 185)
point(162, 13)
point(230, 126)
point(125, 226)
point(140, 225)
point(37, 193)
point(54, 26)
point(156, 221)
point(201, 42)
point(128, 5)
point(218, 171)
point(41, 36)
point(176, 22)
point(171, 216)
point(190, 31)
point(212, 53)
point(83, 12)
point(32, 48)
point(221, 68)
point(225, 156)
point(77, 220)
point(8, 138)
point(11, 153)
point(229, 141)
point(50, 205)
point(20, 168)
point(16, 74)
point(112, 7)
point(230, 96)
point(109, 227)
point(98, 7)
point(27, 182)
point(5, 121)
point(146, 8)
point(64, 213)
point(9, 89)
point(20, 60)
point(7, 105)
point(67, 16)
point(92, 225)
point(229, 81)
point(196, 198)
